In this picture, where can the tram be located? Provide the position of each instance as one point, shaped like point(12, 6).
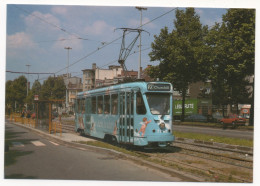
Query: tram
point(137, 113)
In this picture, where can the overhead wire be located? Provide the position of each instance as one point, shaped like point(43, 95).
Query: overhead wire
point(104, 44)
point(47, 22)
point(108, 43)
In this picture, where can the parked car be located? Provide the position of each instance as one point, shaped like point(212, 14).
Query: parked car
point(233, 120)
point(217, 117)
point(196, 117)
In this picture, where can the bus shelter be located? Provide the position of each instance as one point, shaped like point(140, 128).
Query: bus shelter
point(46, 111)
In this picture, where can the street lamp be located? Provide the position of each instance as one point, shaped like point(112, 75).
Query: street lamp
point(139, 66)
point(67, 48)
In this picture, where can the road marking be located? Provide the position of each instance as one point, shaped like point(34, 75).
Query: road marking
point(81, 148)
point(17, 144)
point(38, 143)
point(54, 143)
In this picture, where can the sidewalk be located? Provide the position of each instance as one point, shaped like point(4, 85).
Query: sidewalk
point(67, 137)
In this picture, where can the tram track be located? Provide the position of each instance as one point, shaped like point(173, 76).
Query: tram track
point(205, 161)
point(217, 152)
point(208, 173)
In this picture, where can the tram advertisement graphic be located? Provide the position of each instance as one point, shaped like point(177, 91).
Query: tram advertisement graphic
point(115, 129)
point(144, 125)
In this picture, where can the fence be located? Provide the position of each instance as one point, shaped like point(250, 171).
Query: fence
point(25, 121)
point(44, 117)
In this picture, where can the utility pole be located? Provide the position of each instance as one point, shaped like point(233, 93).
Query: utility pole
point(27, 84)
point(28, 79)
point(140, 45)
point(67, 100)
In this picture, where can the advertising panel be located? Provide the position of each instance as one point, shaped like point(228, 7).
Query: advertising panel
point(191, 107)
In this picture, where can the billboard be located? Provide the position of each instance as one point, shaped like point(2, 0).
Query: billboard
point(191, 107)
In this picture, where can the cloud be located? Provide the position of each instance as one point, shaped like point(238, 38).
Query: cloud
point(19, 40)
point(99, 28)
point(210, 16)
point(60, 10)
point(42, 25)
point(20, 48)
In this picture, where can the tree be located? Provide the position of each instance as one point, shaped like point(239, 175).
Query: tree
point(35, 90)
point(9, 96)
point(233, 50)
point(53, 88)
point(16, 92)
point(182, 53)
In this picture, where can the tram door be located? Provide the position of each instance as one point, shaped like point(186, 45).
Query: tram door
point(126, 119)
point(88, 115)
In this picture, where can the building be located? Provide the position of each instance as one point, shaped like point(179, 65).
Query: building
point(96, 77)
point(73, 86)
point(88, 79)
point(198, 99)
point(73, 90)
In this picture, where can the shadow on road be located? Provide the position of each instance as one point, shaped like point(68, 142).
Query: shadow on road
point(12, 138)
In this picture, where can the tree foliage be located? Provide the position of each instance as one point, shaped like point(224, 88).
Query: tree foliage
point(233, 49)
point(182, 52)
point(53, 88)
point(16, 91)
point(225, 54)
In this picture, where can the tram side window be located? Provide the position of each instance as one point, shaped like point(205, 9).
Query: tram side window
point(140, 107)
point(83, 105)
point(107, 104)
point(78, 106)
point(93, 103)
point(114, 99)
point(100, 104)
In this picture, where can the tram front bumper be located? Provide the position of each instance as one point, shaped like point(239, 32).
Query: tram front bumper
point(160, 138)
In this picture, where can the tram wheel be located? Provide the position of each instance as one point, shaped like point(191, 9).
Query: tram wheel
point(81, 132)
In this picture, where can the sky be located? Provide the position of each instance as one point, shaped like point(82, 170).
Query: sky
point(38, 34)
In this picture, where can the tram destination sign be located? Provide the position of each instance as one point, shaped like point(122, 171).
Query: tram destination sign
point(158, 87)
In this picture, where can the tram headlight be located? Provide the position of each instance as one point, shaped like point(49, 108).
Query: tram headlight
point(162, 126)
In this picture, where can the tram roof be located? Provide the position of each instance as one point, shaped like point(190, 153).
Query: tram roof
point(143, 86)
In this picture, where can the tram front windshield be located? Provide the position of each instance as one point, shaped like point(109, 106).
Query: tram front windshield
point(159, 103)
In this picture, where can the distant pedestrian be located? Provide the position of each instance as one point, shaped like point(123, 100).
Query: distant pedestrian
point(28, 114)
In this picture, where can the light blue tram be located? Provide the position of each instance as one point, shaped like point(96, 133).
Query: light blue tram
point(138, 113)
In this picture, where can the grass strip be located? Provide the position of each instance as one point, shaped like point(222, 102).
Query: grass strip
point(214, 125)
point(211, 138)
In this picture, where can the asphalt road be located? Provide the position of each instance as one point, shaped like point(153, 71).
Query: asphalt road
point(234, 133)
point(37, 157)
